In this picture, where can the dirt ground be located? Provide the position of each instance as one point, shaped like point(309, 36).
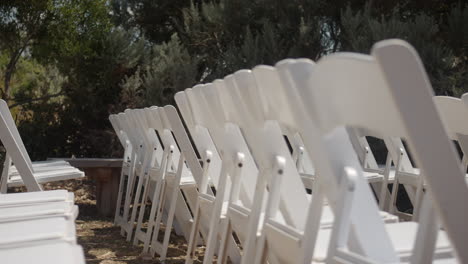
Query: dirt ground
point(101, 240)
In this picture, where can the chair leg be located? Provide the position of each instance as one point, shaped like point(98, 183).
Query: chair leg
point(393, 208)
point(418, 198)
point(262, 253)
point(193, 235)
point(167, 157)
point(129, 194)
point(426, 238)
point(141, 212)
point(223, 247)
point(135, 207)
point(5, 174)
point(159, 218)
point(216, 216)
point(119, 196)
point(250, 250)
point(383, 188)
point(167, 232)
point(153, 214)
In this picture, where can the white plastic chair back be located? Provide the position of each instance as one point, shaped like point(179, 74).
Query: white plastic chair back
point(266, 140)
point(16, 151)
point(396, 87)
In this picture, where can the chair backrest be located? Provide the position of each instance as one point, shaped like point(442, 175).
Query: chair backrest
point(168, 138)
point(367, 224)
point(5, 111)
point(153, 151)
point(118, 131)
point(154, 123)
point(453, 112)
point(122, 136)
point(231, 142)
point(16, 150)
point(395, 100)
point(134, 127)
point(200, 134)
point(266, 142)
point(142, 126)
point(183, 141)
point(127, 127)
point(274, 102)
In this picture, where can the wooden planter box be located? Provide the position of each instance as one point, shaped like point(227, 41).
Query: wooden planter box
point(106, 174)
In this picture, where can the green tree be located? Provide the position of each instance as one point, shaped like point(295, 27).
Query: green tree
point(170, 70)
point(47, 30)
point(443, 58)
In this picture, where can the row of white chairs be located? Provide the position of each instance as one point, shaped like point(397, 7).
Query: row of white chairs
point(18, 169)
point(36, 226)
point(39, 227)
point(261, 137)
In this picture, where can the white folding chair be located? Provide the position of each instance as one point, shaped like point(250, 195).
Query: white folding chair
point(53, 253)
point(451, 111)
point(127, 167)
point(141, 158)
point(156, 160)
point(153, 170)
point(22, 206)
point(208, 207)
point(278, 237)
point(38, 220)
point(44, 171)
point(177, 182)
point(234, 213)
point(122, 212)
point(281, 197)
point(165, 176)
point(396, 87)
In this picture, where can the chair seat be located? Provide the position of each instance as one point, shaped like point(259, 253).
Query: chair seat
point(126, 168)
point(327, 217)
point(48, 176)
point(410, 178)
point(402, 236)
point(43, 210)
point(186, 180)
point(49, 163)
point(37, 169)
point(308, 179)
point(239, 215)
point(54, 253)
point(36, 197)
point(43, 230)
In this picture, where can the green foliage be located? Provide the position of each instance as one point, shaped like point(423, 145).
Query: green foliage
point(93, 90)
point(156, 20)
point(361, 29)
point(456, 31)
point(170, 70)
point(49, 31)
point(68, 64)
point(256, 32)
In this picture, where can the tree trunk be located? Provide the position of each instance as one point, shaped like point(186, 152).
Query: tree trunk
point(6, 91)
point(10, 69)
